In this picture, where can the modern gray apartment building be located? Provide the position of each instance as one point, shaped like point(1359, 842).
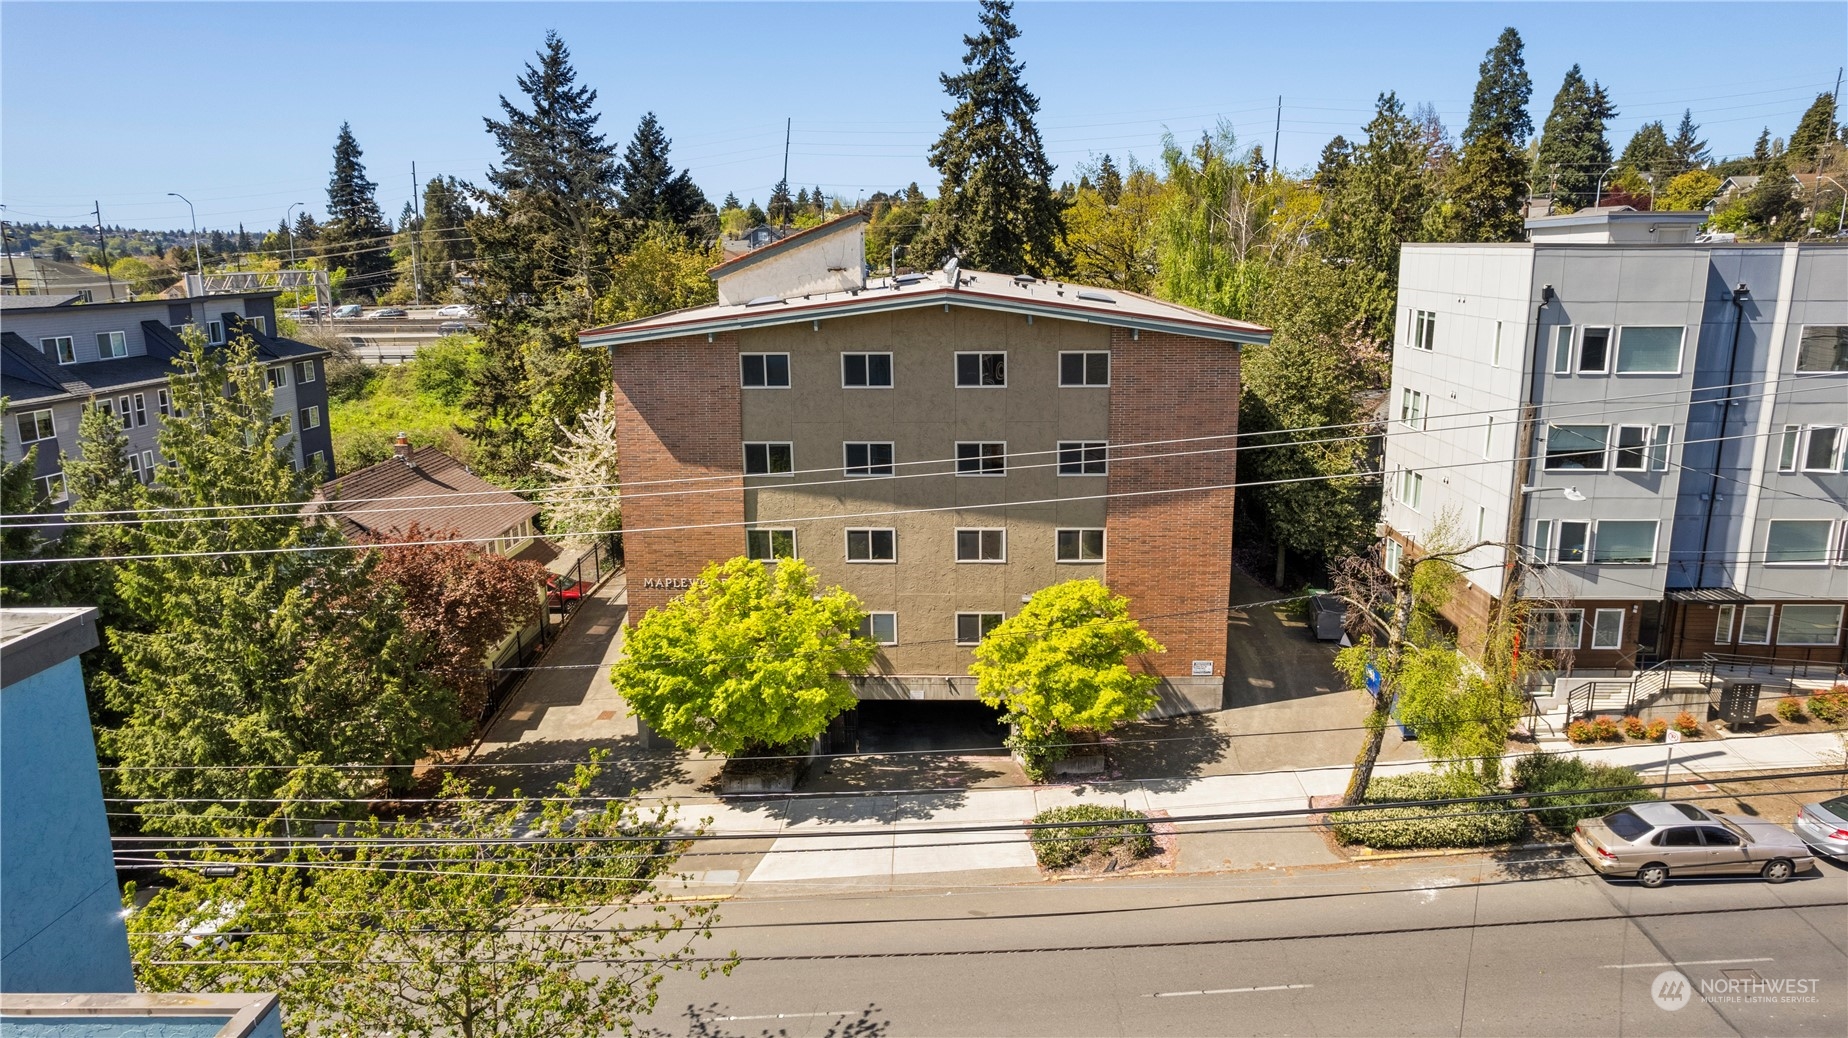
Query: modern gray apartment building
point(60, 356)
point(1656, 422)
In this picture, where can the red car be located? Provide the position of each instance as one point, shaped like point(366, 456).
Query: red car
point(562, 591)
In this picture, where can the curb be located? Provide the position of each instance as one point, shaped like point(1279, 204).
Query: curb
point(1453, 852)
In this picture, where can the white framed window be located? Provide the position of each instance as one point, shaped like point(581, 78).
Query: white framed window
point(771, 544)
point(1556, 628)
point(141, 410)
point(763, 370)
point(317, 461)
point(278, 377)
point(163, 403)
point(1658, 448)
point(304, 371)
point(1823, 347)
point(1755, 625)
point(769, 459)
point(872, 544)
point(51, 487)
point(62, 347)
point(1594, 350)
point(147, 464)
point(1576, 447)
point(311, 417)
point(1797, 542)
point(1822, 448)
point(880, 628)
point(1540, 548)
point(1482, 522)
point(286, 423)
point(1809, 624)
point(1607, 629)
point(1411, 489)
point(1084, 368)
point(981, 370)
point(1722, 625)
point(1411, 408)
point(1787, 448)
point(1625, 542)
point(215, 333)
point(259, 322)
point(1083, 458)
point(105, 405)
point(971, 628)
point(1393, 556)
point(1632, 449)
point(1424, 330)
point(1562, 350)
point(111, 345)
point(124, 409)
point(1646, 350)
point(1574, 541)
point(981, 459)
point(981, 544)
point(134, 466)
point(1080, 545)
point(866, 371)
point(1488, 438)
point(35, 426)
point(1495, 354)
point(867, 459)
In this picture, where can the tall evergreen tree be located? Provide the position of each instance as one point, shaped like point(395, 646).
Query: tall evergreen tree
point(356, 236)
point(1484, 193)
point(1814, 130)
point(730, 203)
point(1381, 205)
point(1502, 92)
point(443, 237)
point(1761, 150)
point(1649, 151)
point(307, 231)
point(1689, 150)
point(1573, 151)
point(21, 496)
point(1109, 180)
point(651, 190)
point(996, 204)
point(802, 200)
point(782, 208)
point(1772, 207)
point(1337, 156)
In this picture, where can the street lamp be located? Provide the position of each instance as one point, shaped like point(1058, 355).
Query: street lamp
point(1599, 197)
point(1839, 217)
point(290, 228)
point(198, 261)
point(1572, 493)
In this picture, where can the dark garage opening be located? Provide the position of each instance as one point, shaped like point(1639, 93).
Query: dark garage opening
point(910, 725)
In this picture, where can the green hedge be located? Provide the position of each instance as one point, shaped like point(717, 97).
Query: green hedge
point(1404, 828)
point(1543, 772)
point(1118, 827)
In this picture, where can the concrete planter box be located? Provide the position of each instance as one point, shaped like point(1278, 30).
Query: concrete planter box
point(753, 777)
point(1087, 759)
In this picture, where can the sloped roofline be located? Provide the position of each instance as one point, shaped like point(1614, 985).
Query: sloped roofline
point(781, 245)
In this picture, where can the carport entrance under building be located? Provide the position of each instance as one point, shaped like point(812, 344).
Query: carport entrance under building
point(910, 726)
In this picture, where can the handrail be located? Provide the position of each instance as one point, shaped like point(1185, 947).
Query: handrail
point(1797, 668)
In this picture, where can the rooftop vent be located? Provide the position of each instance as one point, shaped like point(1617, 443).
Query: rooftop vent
point(1024, 279)
point(909, 279)
point(764, 301)
point(1096, 297)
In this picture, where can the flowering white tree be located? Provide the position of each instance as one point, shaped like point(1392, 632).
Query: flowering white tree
point(583, 502)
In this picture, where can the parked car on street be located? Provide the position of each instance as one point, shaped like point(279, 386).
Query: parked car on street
point(455, 310)
point(563, 591)
point(385, 312)
point(348, 310)
point(452, 328)
point(1824, 826)
point(1654, 840)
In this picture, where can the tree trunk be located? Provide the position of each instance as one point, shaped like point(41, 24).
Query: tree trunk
point(1381, 717)
point(1282, 554)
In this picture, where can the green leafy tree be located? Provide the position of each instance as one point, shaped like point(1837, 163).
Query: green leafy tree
point(1573, 150)
point(444, 239)
point(1060, 666)
point(748, 661)
point(255, 644)
point(1649, 151)
point(652, 192)
point(996, 206)
point(1814, 132)
point(1689, 191)
point(1772, 209)
point(1484, 195)
point(1111, 234)
point(661, 272)
point(20, 495)
point(582, 504)
point(1689, 150)
point(356, 235)
point(533, 916)
point(1382, 204)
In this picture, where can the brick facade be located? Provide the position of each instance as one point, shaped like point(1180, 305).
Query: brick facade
point(677, 418)
point(1170, 554)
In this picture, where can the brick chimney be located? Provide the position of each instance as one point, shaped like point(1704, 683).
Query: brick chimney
point(401, 449)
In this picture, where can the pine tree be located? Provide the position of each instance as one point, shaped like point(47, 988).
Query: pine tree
point(816, 202)
point(1109, 180)
point(1772, 206)
point(243, 240)
point(1761, 151)
point(1381, 205)
point(1337, 156)
point(651, 190)
point(782, 208)
point(802, 200)
point(1814, 130)
point(996, 204)
point(307, 231)
point(1649, 151)
point(1502, 92)
point(1689, 150)
point(757, 215)
point(443, 239)
point(1484, 194)
point(730, 203)
point(356, 236)
point(1573, 151)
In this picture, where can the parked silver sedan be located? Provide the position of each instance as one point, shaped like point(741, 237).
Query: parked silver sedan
point(1824, 827)
point(1654, 840)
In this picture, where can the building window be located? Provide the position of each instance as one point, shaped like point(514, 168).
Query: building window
point(285, 424)
point(1393, 556)
point(147, 465)
point(866, 371)
point(971, 628)
point(769, 459)
point(1540, 549)
point(1574, 541)
point(1424, 330)
point(1562, 350)
point(62, 347)
point(1488, 437)
point(981, 369)
point(764, 370)
point(1083, 458)
point(259, 322)
point(1755, 625)
point(1625, 542)
point(1809, 625)
point(141, 410)
point(1822, 449)
point(1787, 448)
point(106, 406)
point(123, 408)
point(163, 403)
point(1632, 454)
point(1411, 489)
point(311, 417)
point(1649, 351)
point(1576, 447)
point(318, 462)
point(215, 333)
point(1658, 448)
point(1607, 629)
point(278, 377)
point(1722, 626)
point(1084, 369)
point(111, 344)
point(1594, 351)
point(1081, 545)
point(872, 545)
point(1556, 628)
point(35, 426)
point(1482, 522)
point(304, 371)
point(1797, 542)
point(134, 466)
point(981, 459)
point(981, 545)
point(770, 545)
point(1823, 347)
point(880, 628)
point(868, 459)
point(1411, 408)
point(1495, 356)
point(51, 487)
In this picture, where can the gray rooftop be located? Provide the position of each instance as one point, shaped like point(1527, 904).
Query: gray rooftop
point(35, 640)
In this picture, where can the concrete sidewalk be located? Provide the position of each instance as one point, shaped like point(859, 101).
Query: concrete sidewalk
point(875, 841)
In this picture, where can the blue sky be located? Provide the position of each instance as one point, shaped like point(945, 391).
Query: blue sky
point(237, 104)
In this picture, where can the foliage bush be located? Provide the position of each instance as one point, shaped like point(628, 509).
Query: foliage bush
point(1790, 710)
point(1605, 730)
point(1543, 772)
point(1658, 730)
point(369, 406)
point(1447, 825)
point(1633, 727)
point(1581, 731)
point(1830, 707)
point(1116, 827)
point(1687, 725)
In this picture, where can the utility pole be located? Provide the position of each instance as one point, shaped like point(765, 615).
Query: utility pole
point(6, 241)
point(416, 233)
point(104, 242)
point(787, 123)
point(1277, 134)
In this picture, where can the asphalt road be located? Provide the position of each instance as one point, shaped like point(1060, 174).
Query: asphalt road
point(1436, 946)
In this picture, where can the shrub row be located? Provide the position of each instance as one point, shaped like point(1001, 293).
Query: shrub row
point(1606, 729)
point(1450, 825)
point(1830, 707)
point(1550, 773)
point(1115, 827)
